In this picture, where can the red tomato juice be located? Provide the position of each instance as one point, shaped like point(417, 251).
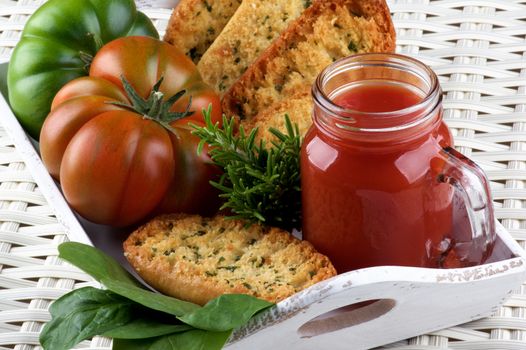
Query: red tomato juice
point(377, 97)
point(372, 202)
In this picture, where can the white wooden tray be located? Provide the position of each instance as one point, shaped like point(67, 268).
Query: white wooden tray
point(356, 310)
point(379, 305)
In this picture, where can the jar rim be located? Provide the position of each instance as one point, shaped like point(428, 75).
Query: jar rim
point(339, 112)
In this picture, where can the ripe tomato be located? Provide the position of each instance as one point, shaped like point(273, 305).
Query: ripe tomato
point(57, 45)
point(118, 149)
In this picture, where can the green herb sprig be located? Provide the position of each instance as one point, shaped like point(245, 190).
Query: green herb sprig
point(135, 317)
point(259, 184)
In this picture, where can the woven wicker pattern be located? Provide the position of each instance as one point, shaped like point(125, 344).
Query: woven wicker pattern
point(13, 16)
point(31, 275)
point(477, 47)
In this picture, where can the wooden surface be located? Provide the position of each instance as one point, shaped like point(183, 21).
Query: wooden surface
point(365, 308)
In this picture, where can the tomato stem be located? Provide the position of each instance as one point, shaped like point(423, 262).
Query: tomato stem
point(96, 41)
point(157, 104)
point(155, 107)
point(87, 57)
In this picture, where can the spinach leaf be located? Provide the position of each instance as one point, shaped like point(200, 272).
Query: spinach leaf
point(88, 311)
point(81, 314)
point(225, 312)
point(150, 299)
point(112, 275)
point(145, 328)
point(95, 262)
point(191, 340)
point(135, 344)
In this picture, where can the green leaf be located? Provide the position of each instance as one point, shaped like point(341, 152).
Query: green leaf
point(114, 277)
point(225, 312)
point(95, 262)
point(145, 328)
point(134, 344)
point(191, 340)
point(150, 299)
point(81, 314)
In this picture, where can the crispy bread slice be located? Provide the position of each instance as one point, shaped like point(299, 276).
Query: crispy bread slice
point(197, 259)
point(298, 107)
point(325, 32)
point(249, 32)
point(194, 24)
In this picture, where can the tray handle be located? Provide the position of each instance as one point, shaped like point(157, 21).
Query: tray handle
point(347, 316)
point(370, 307)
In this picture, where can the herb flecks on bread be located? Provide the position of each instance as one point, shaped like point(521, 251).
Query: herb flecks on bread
point(249, 32)
point(298, 107)
point(325, 32)
point(197, 259)
point(195, 24)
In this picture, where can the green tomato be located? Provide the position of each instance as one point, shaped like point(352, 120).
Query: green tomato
point(56, 47)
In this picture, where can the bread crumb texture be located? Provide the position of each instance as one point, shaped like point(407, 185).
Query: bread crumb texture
point(195, 24)
point(325, 32)
point(197, 259)
point(252, 28)
point(298, 107)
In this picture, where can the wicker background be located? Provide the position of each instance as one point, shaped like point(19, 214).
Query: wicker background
point(478, 49)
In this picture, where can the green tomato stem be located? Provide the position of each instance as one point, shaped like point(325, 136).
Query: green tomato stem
point(157, 104)
point(86, 58)
point(96, 41)
point(155, 107)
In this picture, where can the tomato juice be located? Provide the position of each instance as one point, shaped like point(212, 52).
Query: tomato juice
point(373, 185)
point(377, 96)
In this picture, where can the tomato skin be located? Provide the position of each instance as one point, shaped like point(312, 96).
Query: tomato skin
point(117, 166)
point(200, 101)
point(117, 179)
point(63, 123)
point(88, 86)
point(53, 48)
point(121, 58)
point(190, 191)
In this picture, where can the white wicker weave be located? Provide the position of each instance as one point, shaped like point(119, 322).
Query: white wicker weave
point(477, 47)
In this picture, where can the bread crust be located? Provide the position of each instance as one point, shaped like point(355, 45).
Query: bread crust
point(249, 32)
point(298, 107)
point(234, 259)
point(194, 24)
point(243, 98)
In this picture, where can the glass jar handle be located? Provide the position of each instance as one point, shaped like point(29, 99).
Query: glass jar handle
point(471, 184)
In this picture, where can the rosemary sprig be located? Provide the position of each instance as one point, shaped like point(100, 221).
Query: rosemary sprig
point(259, 184)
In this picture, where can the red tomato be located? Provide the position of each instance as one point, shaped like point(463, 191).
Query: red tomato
point(118, 164)
point(143, 61)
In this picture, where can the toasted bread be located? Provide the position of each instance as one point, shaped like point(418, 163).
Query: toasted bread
point(249, 32)
point(197, 259)
point(326, 31)
point(298, 107)
point(194, 24)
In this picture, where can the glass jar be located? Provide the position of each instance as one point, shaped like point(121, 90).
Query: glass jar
point(381, 184)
